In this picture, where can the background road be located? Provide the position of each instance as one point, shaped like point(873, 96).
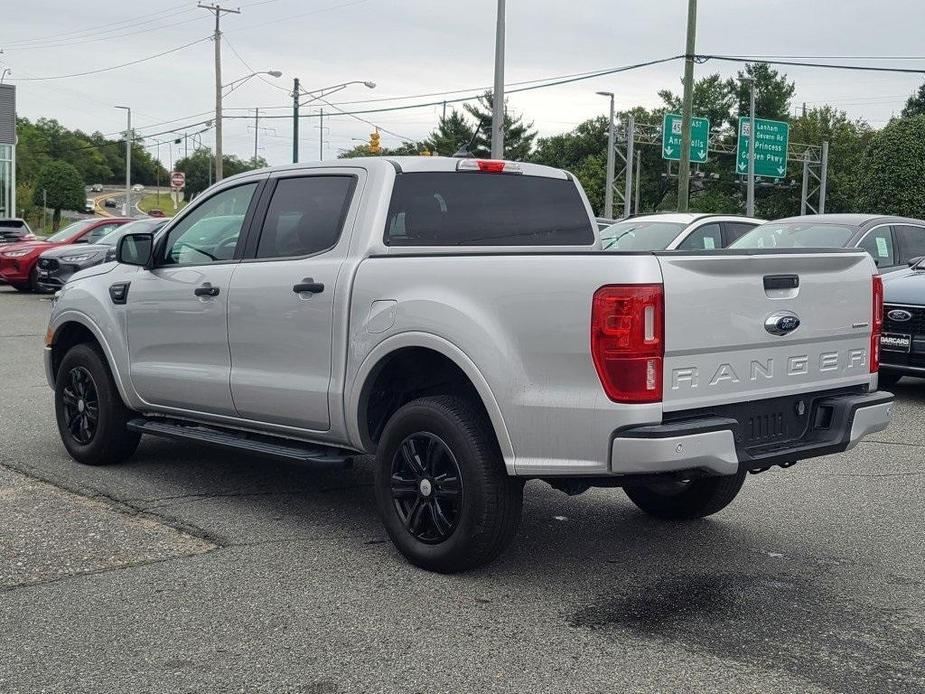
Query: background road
point(189, 570)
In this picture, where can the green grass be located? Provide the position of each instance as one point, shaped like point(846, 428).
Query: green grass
point(150, 202)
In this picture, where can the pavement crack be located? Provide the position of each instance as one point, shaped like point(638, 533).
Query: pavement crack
point(120, 505)
point(239, 494)
point(104, 570)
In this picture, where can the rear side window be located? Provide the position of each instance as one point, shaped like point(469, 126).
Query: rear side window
point(703, 238)
point(736, 230)
point(305, 216)
point(911, 241)
point(879, 243)
point(478, 209)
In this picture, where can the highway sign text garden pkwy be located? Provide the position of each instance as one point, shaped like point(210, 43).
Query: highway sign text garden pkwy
point(671, 138)
point(770, 150)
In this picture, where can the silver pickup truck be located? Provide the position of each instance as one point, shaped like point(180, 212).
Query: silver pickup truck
point(457, 319)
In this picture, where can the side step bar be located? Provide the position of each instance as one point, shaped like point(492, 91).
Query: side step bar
point(244, 442)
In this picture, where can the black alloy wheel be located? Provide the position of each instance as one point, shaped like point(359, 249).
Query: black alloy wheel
point(426, 486)
point(81, 405)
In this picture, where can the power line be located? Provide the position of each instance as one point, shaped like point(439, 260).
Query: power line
point(792, 63)
point(248, 67)
point(106, 36)
point(162, 13)
point(249, 27)
point(555, 82)
point(114, 67)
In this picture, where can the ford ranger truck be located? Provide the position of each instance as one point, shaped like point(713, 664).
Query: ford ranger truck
point(457, 320)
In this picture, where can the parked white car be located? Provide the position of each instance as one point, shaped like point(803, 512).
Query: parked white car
point(456, 318)
point(676, 231)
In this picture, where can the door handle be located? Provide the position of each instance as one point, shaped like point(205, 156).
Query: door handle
point(206, 290)
point(308, 285)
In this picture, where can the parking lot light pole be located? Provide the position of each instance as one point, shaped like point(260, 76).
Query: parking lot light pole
point(608, 191)
point(497, 97)
point(752, 141)
point(128, 160)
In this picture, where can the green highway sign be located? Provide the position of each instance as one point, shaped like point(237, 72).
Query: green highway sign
point(671, 138)
point(773, 136)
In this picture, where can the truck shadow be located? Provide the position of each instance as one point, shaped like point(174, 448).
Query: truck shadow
point(603, 569)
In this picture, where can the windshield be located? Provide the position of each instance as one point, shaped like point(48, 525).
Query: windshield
point(142, 225)
point(71, 230)
point(796, 235)
point(640, 236)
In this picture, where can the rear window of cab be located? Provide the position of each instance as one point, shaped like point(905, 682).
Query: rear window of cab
point(481, 209)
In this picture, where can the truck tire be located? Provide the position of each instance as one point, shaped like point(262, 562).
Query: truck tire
point(686, 500)
point(91, 415)
point(442, 491)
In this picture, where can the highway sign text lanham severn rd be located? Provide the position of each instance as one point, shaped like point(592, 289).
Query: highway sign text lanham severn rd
point(671, 138)
point(773, 137)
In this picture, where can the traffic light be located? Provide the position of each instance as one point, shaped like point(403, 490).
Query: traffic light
point(374, 143)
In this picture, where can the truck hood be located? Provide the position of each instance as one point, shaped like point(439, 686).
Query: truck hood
point(904, 287)
point(36, 246)
point(93, 271)
point(58, 251)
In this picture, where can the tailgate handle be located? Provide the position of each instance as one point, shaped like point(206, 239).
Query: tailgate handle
point(781, 282)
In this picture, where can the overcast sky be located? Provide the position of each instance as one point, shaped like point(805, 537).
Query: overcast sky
point(411, 47)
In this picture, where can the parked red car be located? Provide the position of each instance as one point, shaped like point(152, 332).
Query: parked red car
point(18, 260)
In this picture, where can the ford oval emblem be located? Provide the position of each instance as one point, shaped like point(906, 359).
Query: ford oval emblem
point(782, 323)
point(898, 315)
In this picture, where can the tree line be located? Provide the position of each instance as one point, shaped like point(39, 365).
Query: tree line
point(869, 170)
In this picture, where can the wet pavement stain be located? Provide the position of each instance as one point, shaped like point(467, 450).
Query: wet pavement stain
point(776, 622)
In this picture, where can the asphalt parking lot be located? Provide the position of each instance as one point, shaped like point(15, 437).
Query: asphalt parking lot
point(185, 570)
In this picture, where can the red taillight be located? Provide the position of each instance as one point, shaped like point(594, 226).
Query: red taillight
point(627, 341)
point(876, 323)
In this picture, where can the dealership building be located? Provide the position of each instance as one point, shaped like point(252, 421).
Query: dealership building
point(7, 150)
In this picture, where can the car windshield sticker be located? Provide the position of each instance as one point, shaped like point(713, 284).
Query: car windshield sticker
point(709, 242)
point(881, 247)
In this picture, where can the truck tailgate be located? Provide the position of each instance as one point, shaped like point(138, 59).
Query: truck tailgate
point(724, 338)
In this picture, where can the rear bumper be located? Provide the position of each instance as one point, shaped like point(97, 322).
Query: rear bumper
point(710, 443)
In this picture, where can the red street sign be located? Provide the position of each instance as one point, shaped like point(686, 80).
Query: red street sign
point(177, 179)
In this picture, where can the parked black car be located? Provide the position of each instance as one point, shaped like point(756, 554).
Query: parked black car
point(902, 340)
point(14, 230)
point(55, 266)
point(892, 241)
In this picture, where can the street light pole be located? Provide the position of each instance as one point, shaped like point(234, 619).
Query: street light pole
point(750, 197)
point(497, 111)
point(684, 166)
point(128, 160)
point(608, 191)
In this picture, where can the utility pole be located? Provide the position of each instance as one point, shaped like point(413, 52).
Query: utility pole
point(684, 166)
point(497, 111)
point(630, 150)
point(608, 190)
point(217, 10)
point(321, 135)
point(256, 130)
point(295, 121)
point(128, 160)
point(823, 176)
point(752, 139)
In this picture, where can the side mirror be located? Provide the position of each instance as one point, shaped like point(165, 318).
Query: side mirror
point(135, 249)
point(915, 261)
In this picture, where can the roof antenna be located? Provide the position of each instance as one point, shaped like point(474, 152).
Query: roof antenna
point(465, 151)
